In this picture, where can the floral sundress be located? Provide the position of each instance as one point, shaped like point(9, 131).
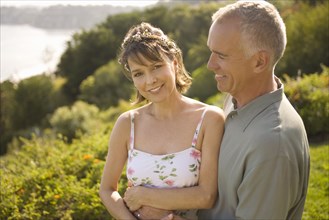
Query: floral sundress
point(175, 170)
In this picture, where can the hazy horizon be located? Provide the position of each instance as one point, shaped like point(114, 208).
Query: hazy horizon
point(48, 3)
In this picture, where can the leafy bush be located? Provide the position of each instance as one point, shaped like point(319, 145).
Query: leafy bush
point(310, 97)
point(112, 113)
point(79, 118)
point(217, 99)
point(49, 179)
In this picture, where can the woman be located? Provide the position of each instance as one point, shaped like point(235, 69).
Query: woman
point(171, 142)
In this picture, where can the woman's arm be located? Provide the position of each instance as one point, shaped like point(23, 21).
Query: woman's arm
point(201, 196)
point(115, 161)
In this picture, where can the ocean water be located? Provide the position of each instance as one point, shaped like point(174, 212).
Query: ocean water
point(27, 51)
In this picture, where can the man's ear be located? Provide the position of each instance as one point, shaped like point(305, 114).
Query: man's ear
point(262, 61)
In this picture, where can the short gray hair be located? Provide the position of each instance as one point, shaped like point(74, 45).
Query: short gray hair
point(261, 26)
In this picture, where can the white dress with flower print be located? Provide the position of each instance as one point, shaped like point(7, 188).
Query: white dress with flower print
point(175, 170)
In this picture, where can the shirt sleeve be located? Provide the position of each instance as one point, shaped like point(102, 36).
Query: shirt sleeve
point(268, 190)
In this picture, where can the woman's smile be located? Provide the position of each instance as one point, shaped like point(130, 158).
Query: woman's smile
point(155, 90)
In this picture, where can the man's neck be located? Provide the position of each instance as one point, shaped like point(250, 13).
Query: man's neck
point(259, 87)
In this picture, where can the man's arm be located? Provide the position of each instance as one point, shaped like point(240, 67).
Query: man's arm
point(268, 190)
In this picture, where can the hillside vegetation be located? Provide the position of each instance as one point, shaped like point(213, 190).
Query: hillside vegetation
point(55, 127)
point(51, 179)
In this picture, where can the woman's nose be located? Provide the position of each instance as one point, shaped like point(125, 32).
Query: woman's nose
point(150, 79)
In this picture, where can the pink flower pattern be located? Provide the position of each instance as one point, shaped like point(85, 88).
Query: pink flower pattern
point(131, 171)
point(195, 154)
point(169, 182)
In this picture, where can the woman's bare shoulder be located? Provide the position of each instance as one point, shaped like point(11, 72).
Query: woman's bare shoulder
point(215, 111)
point(211, 109)
point(123, 121)
point(137, 112)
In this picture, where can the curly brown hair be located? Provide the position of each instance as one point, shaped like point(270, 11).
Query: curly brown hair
point(151, 43)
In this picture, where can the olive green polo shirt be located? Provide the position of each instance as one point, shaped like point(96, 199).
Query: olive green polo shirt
point(263, 163)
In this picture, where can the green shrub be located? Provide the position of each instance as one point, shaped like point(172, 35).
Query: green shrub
point(310, 97)
point(217, 99)
point(79, 118)
point(49, 179)
point(112, 113)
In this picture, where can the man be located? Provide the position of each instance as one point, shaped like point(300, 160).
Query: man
point(264, 156)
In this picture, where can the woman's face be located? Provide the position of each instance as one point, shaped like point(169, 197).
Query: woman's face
point(155, 80)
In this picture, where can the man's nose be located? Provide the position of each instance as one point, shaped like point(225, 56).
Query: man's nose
point(211, 65)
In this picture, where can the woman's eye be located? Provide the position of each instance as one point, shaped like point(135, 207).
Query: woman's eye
point(137, 74)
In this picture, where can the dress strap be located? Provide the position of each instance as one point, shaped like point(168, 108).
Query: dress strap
point(196, 133)
point(132, 131)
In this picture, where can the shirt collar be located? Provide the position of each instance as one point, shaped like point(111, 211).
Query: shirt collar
point(248, 112)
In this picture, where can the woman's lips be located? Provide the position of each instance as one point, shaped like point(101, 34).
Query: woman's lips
point(155, 89)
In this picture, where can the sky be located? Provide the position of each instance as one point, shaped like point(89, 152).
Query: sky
point(46, 3)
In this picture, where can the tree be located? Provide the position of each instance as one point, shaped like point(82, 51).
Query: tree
point(7, 99)
point(308, 45)
point(88, 50)
point(32, 98)
point(204, 84)
point(106, 86)
point(198, 54)
point(85, 53)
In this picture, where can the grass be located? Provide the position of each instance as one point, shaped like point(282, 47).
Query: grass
point(317, 200)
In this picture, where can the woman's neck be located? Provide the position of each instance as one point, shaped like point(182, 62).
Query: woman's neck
point(168, 109)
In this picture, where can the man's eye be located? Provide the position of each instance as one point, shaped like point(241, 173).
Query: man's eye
point(157, 66)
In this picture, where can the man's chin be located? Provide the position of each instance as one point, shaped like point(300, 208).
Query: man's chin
point(220, 88)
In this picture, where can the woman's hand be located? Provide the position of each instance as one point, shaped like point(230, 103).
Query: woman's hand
point(147, 212)
point(132, 198)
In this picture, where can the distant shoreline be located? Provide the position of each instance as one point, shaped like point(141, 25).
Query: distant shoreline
point(28, 51)
point(59, 16)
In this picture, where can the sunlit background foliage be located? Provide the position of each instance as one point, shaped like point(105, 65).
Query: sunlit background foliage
point(55, 128)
